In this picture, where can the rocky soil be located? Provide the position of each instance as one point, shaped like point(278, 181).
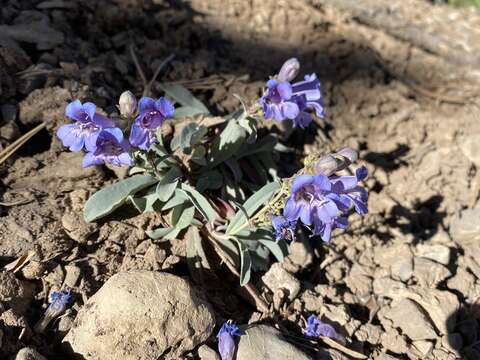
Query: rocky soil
point(400, 86)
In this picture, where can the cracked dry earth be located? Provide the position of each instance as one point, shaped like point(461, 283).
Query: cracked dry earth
point(402, 283)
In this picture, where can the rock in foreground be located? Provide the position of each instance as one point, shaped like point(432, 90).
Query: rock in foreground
point(266, 343)
point(141, 315)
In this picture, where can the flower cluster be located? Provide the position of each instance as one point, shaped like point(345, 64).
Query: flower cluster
point(316, 328)
point(102, 138)
point(285, 100)
point(226, 342)
point(321, 203)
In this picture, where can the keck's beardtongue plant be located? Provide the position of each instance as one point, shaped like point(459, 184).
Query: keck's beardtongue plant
point(198, 174)
point(215, 180)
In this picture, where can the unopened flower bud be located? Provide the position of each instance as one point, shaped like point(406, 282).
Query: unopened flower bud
point(289, 70)
point(348, 153)
point(326, 165)
point(127, 104)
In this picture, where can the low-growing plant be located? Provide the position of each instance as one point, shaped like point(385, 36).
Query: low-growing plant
point(214, 179)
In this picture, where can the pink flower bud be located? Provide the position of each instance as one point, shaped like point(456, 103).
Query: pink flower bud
point(127, 104)
point(289, 70)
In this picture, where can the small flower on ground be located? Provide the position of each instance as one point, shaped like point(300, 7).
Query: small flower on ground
point(283, 100)
point(226, 342)
point(127, 104)
point(110, 147)
point(284, 229)
point(88, 124)
point(57, 305)
point(152, 115)
point(316, 328)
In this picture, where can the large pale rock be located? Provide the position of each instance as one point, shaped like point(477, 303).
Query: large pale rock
point(277, 278)
point(266, 343)
point(436, 252)
point(465, 227)
point(29, 354)
point(141, 315)
point(413, 322)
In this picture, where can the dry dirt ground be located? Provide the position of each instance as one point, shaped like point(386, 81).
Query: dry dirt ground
point(401, 86)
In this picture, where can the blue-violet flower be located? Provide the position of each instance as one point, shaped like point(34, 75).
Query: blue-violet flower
point(316, 328)
point(57, 305)
point(325, 202)
point(87, 126)
point(226, 342)
point(110, 147)
point(283, 100)
point(152, 115)
point(284, 229)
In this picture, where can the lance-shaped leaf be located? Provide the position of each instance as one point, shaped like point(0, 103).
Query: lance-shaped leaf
point(182, 216)
point(279, 249)
point(168, 183)
point(145, 202)
point(196, 257)
point(178, 198)
point(168, 233)
point(200, 202)
point(245, 263)
point(212, 179)
point(106, 200)
point(191, 135)
point(183, 96)
point(254, 202)
point(227, 143)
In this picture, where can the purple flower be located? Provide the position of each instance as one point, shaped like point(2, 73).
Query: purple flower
point(325, 202)
point(87, 126)
point(152, 115)
point(57, 305)
point(308, 193)
point(310, 89)
point(283, 100)
point(110, 147)
point(350, 194)
point(316, 328)
point(284, 229)
point(226, 342)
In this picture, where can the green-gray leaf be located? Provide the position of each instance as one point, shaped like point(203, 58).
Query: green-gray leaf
point(227, 144)
point(183, 96)
point(187, 112)
point(278, 249)
point(106, 200)
point(167, 184)
point(182, 216)
point(212, 179)
point(165, 233)
point(258, 199)
point(245, 263)
point(200, 202)
point(178, 198)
